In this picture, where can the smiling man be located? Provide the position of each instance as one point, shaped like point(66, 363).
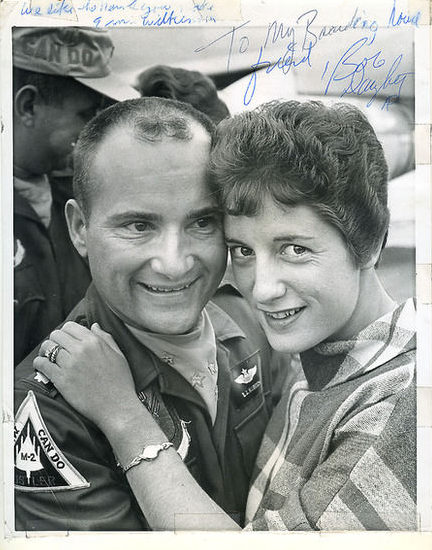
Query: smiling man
point(145, 219)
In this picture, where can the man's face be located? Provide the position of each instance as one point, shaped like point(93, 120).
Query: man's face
point(154, 238)
point(59, 124)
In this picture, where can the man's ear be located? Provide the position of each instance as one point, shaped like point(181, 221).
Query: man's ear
point(24, 104)
point(76, 223)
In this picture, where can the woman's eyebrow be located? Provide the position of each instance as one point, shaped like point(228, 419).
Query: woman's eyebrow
point(293, 237)
point(228, 240)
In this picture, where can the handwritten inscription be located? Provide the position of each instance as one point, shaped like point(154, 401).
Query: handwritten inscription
point(357, 69)
point(124, 12)
point(399, 18)
point(357, 74)
point(362, 70)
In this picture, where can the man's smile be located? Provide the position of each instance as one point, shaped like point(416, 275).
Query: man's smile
point(164, 289)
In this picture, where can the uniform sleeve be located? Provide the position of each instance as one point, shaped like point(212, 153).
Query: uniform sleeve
point(65, 473)
point(367, 480)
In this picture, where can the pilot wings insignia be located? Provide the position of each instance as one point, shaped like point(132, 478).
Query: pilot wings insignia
point(246, 376)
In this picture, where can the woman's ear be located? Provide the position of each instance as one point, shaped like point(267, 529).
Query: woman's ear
point(376, 256)
point(24, 104)
point(77, 226)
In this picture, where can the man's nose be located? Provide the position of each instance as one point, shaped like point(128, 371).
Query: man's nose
point(173, 259)
point(268, 283)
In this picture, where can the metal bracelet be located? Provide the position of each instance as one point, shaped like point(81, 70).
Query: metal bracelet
point(149, 453)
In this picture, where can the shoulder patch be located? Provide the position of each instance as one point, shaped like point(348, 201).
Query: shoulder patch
point(39, 463)
point(19, 253)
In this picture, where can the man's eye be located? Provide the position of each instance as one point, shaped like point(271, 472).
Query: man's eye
point(203, 222)
point(240, 252)
point(207, 222)
point(139, 227)
point(294, 250)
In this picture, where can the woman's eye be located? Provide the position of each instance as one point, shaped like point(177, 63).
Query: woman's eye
point(240, 251)
point(294, 250)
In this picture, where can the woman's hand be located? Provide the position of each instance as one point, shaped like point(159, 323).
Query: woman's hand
point(91, 373)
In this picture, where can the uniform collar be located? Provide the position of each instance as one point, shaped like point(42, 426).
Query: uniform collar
point(224, 326)
point(144, 365)
point(22, 207)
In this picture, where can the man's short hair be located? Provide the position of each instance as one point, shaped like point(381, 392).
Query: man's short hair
point(150, 119)
point(189, 86)
point(310, 154)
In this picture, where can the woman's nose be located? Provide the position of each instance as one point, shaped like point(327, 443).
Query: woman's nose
point(268, 285)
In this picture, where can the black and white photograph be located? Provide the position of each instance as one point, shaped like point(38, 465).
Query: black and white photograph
point(216, 248)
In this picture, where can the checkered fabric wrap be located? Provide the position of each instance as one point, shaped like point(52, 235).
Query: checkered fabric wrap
point(340, 450)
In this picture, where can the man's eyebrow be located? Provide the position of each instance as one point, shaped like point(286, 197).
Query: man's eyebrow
point(133, 215)
point(205, 211)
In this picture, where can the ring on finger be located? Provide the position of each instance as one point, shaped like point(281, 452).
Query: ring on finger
point(52, 352)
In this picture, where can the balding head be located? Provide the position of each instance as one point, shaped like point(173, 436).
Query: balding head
point(146, 120)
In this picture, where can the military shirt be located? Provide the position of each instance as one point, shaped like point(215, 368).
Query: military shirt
point(66, 476)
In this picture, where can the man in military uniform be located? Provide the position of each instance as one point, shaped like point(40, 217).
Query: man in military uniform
point(145, 219)
point(60, 78)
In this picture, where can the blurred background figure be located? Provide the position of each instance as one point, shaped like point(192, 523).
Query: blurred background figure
point(191, 87)
point(61, 78)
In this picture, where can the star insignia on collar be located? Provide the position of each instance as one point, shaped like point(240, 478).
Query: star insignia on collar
point(197, 380)
point(212, 368)
point(168, 359)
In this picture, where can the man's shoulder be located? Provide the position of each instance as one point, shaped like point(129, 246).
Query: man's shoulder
point(228, 299)
point(24, 369)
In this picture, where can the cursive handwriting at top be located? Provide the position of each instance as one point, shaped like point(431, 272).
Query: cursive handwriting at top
point(359, 73)
point(108, 13)
point(402, 18)
point(291, 58)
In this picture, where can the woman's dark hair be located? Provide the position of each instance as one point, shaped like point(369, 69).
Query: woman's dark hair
point(306, 153)
point(190, 87)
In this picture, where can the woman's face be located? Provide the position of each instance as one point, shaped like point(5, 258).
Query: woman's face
point(297, 274)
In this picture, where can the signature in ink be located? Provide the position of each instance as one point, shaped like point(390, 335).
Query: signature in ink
point(359, 75)
point(291, 58)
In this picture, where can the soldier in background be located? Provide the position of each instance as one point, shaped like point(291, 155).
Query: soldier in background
point(61, 77)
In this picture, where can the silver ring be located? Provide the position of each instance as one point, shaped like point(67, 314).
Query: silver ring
point(51, 353)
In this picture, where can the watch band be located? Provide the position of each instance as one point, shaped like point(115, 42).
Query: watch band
point(149, 453)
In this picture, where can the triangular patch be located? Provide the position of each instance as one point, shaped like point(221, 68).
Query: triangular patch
point(39, 463)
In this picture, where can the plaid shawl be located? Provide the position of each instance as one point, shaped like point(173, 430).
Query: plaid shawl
point(340, 450)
